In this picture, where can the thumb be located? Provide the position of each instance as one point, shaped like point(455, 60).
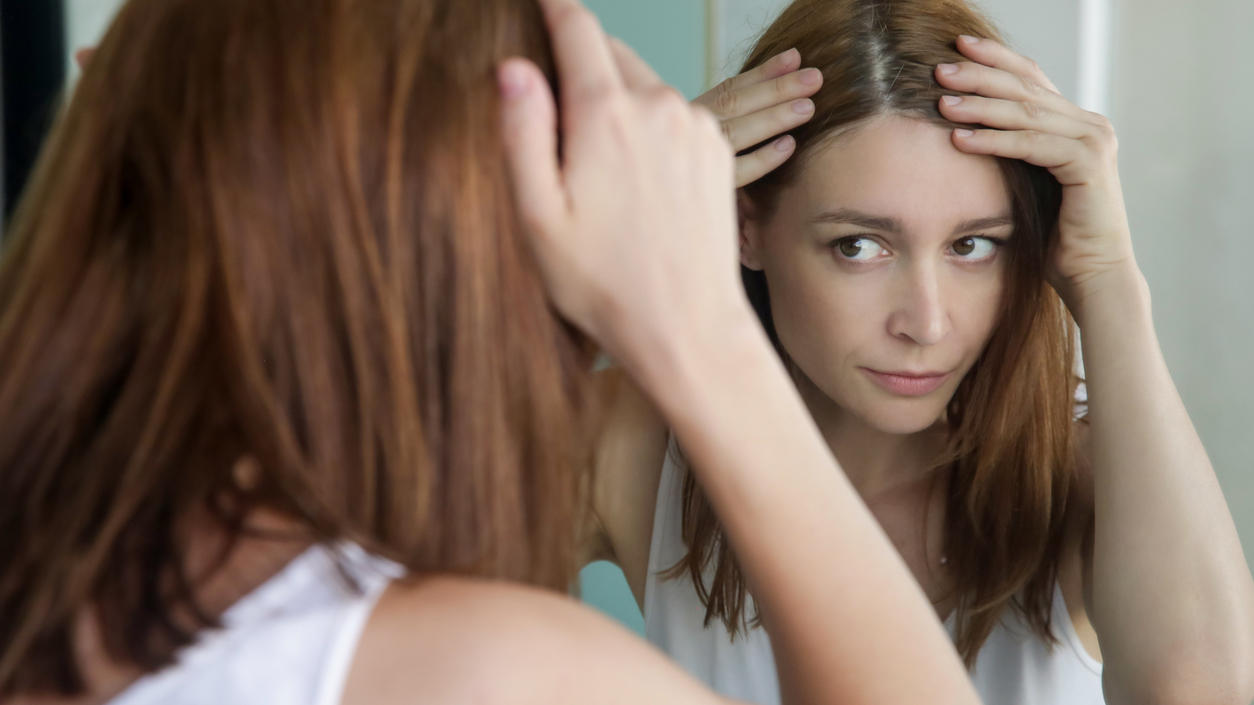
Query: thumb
point(529, 122)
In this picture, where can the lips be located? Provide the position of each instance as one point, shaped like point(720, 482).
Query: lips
point(908, 384)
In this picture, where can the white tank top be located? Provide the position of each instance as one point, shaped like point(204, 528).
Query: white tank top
point(289, 642)
point(1013, 666)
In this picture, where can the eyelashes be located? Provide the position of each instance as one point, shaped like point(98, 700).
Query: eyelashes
point(865, 248)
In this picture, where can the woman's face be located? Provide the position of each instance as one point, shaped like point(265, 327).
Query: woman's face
point(885, 269)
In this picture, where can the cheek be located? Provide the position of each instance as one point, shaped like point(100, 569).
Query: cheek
point(820, 316)
point(980, 305)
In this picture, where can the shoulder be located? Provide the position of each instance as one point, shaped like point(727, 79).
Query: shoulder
point(455, 640)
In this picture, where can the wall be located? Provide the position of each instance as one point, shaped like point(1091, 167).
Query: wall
point(1183, 104)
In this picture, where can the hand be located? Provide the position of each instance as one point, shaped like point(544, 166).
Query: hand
point(1034, 123)
point(634, 230)
point(759, 104)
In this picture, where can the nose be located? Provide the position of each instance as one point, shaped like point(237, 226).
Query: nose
point(919, 314)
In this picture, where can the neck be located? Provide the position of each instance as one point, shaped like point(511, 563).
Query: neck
point(876, 462)
point(254, 559)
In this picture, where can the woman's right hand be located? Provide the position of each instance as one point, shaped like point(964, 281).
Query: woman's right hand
point(759, 104)
point(634, 229)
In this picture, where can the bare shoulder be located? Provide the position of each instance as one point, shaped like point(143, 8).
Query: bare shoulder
point(629, 456)
point(452, 640)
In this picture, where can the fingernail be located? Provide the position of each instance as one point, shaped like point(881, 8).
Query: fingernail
point(968, 39)
point(947, 69)
point(805, 106)
point(963, 132)
point(811, 77)
point(951, 100)
point(512, 80)
point(789, 56)
point(784, 144)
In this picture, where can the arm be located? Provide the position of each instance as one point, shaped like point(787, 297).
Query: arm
point(627, 466)
point(1172, 599)
point(752, 107)
point(634, 232)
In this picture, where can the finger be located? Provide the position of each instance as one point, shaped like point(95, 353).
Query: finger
point(736, 102)
point(585, 63)
point(1065, 158)
point(774, 67)
point(636, 73)
point(83, 56)
point(529, 125)
point(763, 160)
point(1012, 115)
point(749, 130)
point(990, 82)
point(993, 53)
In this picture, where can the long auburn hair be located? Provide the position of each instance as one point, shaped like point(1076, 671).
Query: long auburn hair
point(1010, 420)
point(276, 229)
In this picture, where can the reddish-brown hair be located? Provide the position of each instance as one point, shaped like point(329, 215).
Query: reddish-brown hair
point(1010, 421)
point(276, 229)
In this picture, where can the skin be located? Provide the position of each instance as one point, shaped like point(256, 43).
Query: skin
point(1160, 518)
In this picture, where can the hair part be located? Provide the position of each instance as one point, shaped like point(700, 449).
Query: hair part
point(1010, 420)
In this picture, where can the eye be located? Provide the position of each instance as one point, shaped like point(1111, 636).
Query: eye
point(858, 249)
point(975, 248)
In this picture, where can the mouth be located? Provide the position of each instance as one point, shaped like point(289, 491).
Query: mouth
point(908, 383)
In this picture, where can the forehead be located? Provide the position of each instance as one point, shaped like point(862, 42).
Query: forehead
point(900, 167)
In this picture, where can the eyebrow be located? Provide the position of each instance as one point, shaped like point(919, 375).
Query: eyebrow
point(893, 225)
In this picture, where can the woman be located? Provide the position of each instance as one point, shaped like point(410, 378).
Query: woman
point(902, 262)
point(289, 417)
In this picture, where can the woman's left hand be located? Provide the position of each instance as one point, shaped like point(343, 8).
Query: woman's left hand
point(1031, 121)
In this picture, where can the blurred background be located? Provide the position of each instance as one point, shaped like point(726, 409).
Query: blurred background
point(1175, 78)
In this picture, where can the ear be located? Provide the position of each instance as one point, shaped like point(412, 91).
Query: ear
point(750, 232)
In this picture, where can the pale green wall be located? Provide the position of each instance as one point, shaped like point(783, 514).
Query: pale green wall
point(671, 36)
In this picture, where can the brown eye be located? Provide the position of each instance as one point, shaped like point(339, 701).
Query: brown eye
point(975, 248)
point(858, 249)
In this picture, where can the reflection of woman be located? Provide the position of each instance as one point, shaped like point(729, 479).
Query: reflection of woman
point(271, 336)
point(902, 271)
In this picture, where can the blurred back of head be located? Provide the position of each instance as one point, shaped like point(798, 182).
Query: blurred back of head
point(277, 230)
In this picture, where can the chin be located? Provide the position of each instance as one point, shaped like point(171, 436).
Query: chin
point(903, 417)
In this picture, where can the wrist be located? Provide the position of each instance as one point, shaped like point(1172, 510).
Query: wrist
point(1119, 295)
point(683, 364)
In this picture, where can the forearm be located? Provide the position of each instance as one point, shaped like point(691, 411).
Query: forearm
point(1171, 590)
point(846, 619)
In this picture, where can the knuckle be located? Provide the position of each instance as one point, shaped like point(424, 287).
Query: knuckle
point(1104, 126)
point(1031, 109)
point(667, 99)
point(601, 101)
point(726, 99)
point(576, 18)
point(785, 87)
point(708, 123)
point(1103, 139)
